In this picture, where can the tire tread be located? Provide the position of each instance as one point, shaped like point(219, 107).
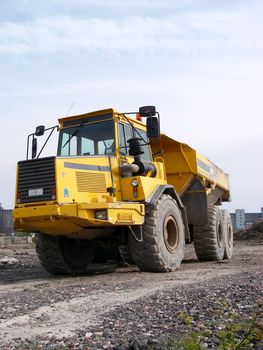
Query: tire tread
point(205, 237)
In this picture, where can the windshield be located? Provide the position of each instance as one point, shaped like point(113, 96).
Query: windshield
point(87, 140)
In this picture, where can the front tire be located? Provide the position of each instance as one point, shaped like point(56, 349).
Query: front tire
point(162, 248)
point(61, 255)
point(209, 241)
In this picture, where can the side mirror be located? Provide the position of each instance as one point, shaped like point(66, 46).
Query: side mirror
point(34, 148)
point(147, 111)
point(40, 130)
point(153, 128)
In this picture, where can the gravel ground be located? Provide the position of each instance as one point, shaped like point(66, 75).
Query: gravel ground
point(158, 310)
point(153, 323)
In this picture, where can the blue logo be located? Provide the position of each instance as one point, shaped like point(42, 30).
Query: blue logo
point(66, 192)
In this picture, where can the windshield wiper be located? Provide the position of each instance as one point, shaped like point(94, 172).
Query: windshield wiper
point(134, 129)
point(74, 134)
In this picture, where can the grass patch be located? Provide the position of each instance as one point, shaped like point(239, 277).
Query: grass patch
point(229, 331)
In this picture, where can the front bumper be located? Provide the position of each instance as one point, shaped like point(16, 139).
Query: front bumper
point(73, 218)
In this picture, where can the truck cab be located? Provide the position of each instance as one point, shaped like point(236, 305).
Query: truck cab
point(89, 182)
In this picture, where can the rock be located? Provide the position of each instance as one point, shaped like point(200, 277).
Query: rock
point(7, 260)
point(88, 335)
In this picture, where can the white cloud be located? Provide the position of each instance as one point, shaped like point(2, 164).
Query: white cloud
point(33, 7)
point(199, 30)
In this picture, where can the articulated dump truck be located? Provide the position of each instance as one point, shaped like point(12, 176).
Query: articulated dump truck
point(118, 185)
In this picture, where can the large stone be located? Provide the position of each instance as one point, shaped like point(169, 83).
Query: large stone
point(7, 260)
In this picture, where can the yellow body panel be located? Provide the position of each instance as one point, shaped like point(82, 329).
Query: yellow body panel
point(183, 163)
point(146, 185)
point(210, 171)
point(86, 179)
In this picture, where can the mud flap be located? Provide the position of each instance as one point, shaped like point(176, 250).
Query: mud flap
point(195, 202)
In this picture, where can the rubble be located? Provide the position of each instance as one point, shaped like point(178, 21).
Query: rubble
point(254, 233)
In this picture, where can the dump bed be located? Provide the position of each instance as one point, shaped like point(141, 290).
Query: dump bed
point(183, 164)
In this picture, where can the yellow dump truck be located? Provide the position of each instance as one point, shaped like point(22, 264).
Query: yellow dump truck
point(118, 183)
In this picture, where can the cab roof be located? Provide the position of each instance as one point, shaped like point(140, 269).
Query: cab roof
point(67, 121)
point(86, 115)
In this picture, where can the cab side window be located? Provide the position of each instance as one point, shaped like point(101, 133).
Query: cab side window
point(147, 155)
point(126, 132)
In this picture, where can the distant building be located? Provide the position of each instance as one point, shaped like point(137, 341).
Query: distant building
point(6, 221)
point(242, 220)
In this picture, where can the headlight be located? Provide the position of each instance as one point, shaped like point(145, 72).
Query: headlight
point(101, 214)
point(134, 183)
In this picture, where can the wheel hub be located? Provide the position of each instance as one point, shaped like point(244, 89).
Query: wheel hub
point(170, 234)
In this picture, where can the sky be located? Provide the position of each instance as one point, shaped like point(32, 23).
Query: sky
point(200, 62)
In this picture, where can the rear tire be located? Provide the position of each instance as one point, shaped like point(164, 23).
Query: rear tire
point(228, 228)
point(103, 255)
point(77, 254)
point(209, 241)
point(61, 255)
point(162, 248)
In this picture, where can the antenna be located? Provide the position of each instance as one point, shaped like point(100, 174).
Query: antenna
point(72, 104)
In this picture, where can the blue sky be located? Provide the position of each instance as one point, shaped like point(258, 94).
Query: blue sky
point(199, 62)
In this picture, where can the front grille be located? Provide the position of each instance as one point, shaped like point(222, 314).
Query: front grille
point(91, 182)
point(36, 179)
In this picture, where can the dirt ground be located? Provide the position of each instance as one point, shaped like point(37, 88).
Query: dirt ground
point(97, 311)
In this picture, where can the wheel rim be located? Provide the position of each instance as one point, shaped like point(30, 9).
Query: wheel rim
point(170, 234)
point(220, 240)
